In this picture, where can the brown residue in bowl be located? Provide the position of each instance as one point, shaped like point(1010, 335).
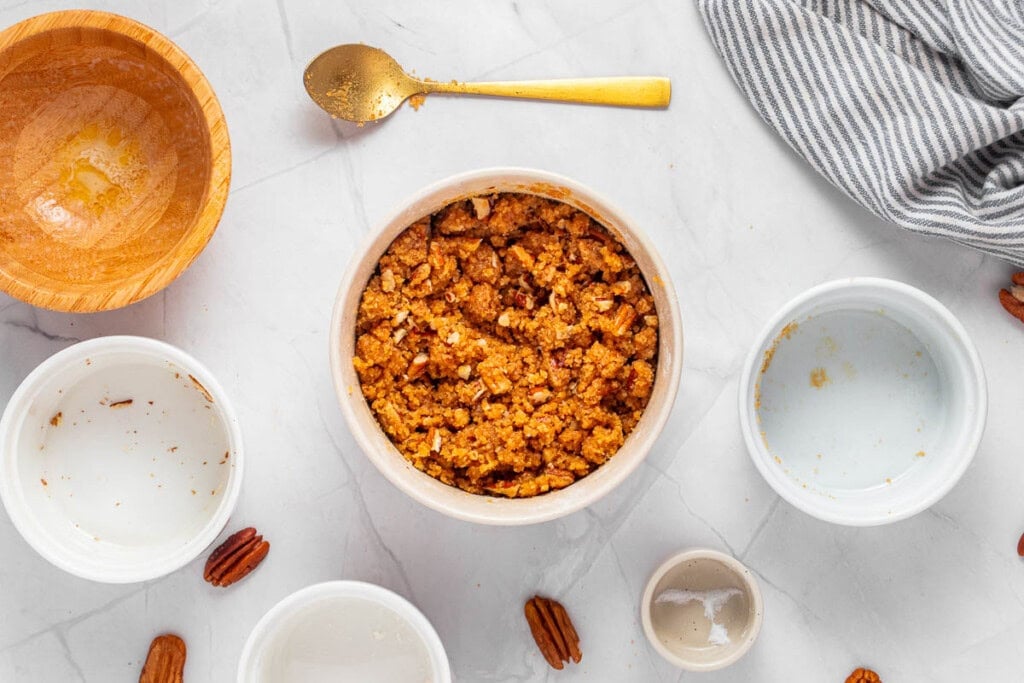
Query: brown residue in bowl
point(819, 378)
point(828, 346)
point(56, 419)
point(201, 388)
point(122, 404)
point(769, 353)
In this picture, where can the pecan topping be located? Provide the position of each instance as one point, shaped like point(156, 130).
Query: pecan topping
point(1012, 299)
point(481, 207)
point(1020, 544)
point(387, 280)
point(165, 662)
point(863, 675)
point(420, 274)
point(236, 557)
point(417, 366)
point(624, 318)
point(553, 631)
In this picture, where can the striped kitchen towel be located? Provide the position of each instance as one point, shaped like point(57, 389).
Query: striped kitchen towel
point(914, 108)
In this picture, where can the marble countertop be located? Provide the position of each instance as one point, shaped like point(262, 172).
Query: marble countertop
point(743, 224)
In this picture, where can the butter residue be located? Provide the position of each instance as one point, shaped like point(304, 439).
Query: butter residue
point(713, 600)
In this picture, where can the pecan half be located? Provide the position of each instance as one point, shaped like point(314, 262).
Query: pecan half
point(862, 675)
point(1020, 546)
point(1012, 299)
point(165, 662)
point(553, 631)
point(236, 557)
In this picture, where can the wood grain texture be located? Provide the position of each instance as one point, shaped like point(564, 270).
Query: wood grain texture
point(115, 161)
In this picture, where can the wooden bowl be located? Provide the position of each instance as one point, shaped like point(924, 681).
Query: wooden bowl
point(114, 161)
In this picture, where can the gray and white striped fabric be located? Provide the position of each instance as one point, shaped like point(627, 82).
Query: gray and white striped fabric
point(914, 108)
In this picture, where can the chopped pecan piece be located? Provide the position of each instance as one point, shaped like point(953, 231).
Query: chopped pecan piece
point(481, 207)
point(418, 365)
point(165, 662)
point(624, 318)
point(420, 274)
point(387, 280)
point(236, 557)
point(539, 395)
point(553, 631)
point(622, 287)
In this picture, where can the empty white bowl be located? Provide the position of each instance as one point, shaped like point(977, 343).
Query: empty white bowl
point(121, 459)
point(702, 610)
point(448, 499)
point(344, 631)
point(863, 401)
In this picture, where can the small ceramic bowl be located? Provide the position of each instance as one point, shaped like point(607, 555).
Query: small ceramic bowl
point(702, 610)
point(863, 401)
point(448, 499)
point(344, 631)
point(121, 459)
point(116, 161)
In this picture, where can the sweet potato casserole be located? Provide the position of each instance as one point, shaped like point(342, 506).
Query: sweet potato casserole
point(507, 344)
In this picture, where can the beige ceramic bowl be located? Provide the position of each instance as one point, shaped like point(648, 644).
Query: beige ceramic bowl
point(680, 595)
point(453, 501)
point(114, 161)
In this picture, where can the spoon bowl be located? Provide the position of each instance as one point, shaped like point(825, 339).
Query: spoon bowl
point(358, 83)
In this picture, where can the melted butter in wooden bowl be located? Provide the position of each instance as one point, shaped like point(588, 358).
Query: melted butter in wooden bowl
point(114, 161)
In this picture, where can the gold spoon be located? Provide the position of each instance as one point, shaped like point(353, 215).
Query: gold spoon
point(361, 83)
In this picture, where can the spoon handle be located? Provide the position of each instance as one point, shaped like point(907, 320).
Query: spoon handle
point(626, 91)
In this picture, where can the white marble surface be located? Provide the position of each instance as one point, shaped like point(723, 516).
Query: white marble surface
point(744, 225)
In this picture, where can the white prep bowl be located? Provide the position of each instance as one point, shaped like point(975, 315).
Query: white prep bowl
point(117, 492)
point(286, 635)
point(863, 401)
point(487, 509)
